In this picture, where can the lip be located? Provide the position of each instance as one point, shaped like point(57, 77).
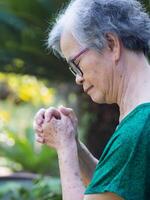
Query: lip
point(87, 90)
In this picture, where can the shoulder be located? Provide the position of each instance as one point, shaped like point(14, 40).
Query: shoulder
point(132, 134)
point(135, 125)
point(125, 159)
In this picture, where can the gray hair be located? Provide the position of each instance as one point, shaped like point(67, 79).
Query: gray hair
point(90, 20)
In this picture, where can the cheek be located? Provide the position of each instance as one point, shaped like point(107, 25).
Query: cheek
point(100, 79)
point(96, 71)
point(91, 69)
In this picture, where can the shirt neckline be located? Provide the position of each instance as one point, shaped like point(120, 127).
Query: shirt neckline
point(137, 108)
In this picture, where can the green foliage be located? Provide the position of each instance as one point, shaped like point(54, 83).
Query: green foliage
point(26, 89)
point(23, 30)
point(31, 157)
point(18, 149)
point(42, 188)
point(17, 141)
point(17, 138)
point(23, 33)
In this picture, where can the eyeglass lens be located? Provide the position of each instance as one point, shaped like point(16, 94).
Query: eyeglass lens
point(75, 69)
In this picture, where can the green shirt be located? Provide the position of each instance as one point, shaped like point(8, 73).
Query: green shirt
point(124, 167)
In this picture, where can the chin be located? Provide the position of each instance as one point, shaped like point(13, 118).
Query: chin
point(98, 99)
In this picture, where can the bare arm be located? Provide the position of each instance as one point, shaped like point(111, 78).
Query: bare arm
point(72, 185)
point(59, 132)
point(87, 163)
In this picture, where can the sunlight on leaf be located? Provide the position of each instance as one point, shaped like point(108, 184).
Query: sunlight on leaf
point(28, 88)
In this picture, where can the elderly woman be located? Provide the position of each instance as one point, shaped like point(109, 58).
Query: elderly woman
point(106, 43)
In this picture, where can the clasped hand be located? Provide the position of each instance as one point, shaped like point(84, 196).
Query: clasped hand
point(56, 127)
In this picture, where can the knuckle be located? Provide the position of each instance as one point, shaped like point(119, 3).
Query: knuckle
point(41, 111)
point(40, 139)
point(70, 109)
point(36, 127)
point(39, 134)
point(38, 130)
point(49, 110)
point(39, 114)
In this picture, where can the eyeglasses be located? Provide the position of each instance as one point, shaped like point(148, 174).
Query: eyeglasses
point(73, 67)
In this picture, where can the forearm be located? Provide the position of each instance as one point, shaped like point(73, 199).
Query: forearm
point(72, 185)
point(87, 162)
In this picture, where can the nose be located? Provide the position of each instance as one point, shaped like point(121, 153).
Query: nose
point(79, 79)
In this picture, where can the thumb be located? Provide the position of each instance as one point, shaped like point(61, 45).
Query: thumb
point(64, 110)
point(70, 113)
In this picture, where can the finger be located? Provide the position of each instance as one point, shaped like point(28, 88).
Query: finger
point(52, 112)
point(37, 128)
point(66, 111)
point(40, 140)
point(39, 133)
point(39, 117)
point(69, 112)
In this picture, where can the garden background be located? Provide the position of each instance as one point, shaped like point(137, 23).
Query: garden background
point(31, 77)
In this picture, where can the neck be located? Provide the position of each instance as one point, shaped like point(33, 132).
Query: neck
point(133, 83)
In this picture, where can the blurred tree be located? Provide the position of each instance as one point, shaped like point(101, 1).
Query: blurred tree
point(23, 28)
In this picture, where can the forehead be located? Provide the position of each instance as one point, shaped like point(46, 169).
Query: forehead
point(69, 46)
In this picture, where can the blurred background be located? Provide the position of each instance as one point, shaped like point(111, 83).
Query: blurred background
point(31, 78)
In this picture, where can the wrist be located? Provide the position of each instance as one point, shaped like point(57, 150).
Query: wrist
point(69, 147)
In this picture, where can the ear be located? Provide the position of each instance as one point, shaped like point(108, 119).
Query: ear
point(114, 45)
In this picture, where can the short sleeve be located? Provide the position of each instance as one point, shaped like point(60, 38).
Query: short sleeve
point(122, 167)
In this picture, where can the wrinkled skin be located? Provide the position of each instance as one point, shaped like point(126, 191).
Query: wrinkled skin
point(56, 127)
